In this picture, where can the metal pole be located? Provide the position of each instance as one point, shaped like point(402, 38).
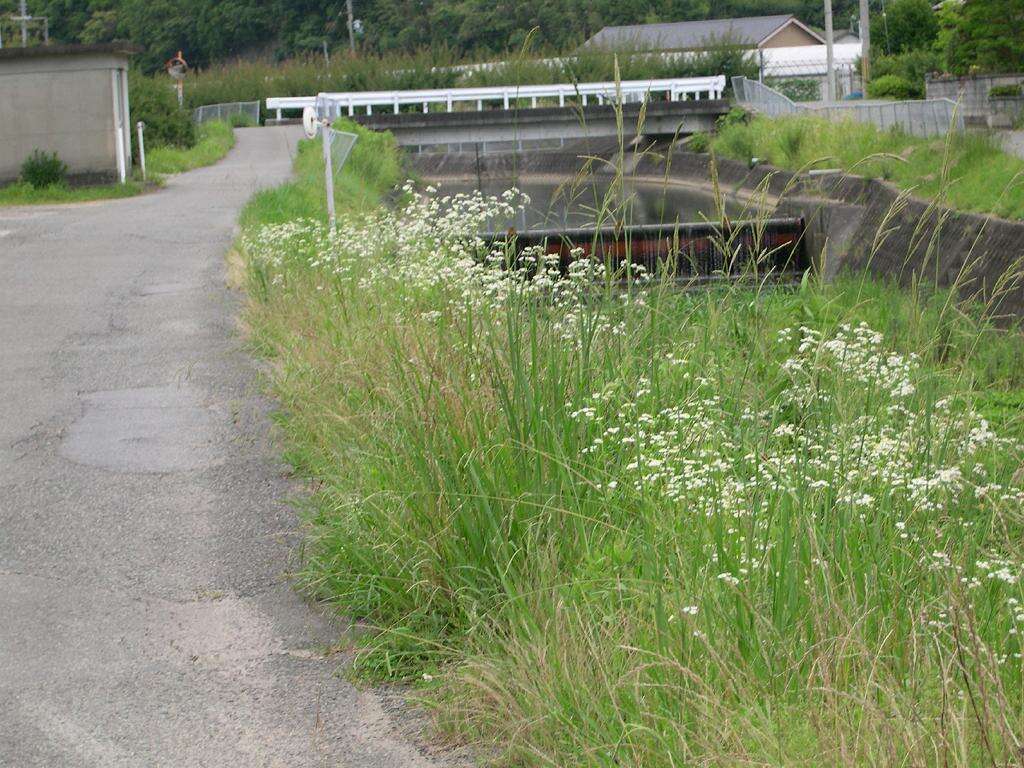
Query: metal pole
point(325, 133)
point(830, 69)
point(865, 46)
point(140, 126)
point(351, 32)
point(23, 9)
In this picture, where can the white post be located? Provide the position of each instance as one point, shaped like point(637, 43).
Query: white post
point(140, 126)
point(325, 133)
point(830, 67)
point(865, 46)
point(119, 128)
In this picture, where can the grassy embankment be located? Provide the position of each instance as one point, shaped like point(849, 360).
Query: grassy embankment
point(970, 172)
point(641, 527)
point(21, 193)
point(215, 140)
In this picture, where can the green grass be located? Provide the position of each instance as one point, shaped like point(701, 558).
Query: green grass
point(975, 176)
point(215, 139)
point(371, 171)
point(21, 193)
point(608, 526)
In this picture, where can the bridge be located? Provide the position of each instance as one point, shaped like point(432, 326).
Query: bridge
point(506, 117)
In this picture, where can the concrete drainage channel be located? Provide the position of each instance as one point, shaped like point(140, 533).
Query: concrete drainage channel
point(842, 214)
point(694, 253)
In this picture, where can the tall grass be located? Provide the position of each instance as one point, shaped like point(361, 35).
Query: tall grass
point(440, 68)
point(306, 76)
point(608, 524)
point(970, 172)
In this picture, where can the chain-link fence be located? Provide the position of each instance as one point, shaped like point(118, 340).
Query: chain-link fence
point(929, 117)
point(249, 111)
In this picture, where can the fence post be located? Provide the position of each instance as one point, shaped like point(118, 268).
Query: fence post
point(325, 133)
point(140, 127)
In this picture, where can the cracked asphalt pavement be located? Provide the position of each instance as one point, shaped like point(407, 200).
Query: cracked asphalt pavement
point(144, 532)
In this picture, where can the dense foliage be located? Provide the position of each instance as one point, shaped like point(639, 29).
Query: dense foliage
point(905, 25)
point(982, 35)
point(154, 102)
point(215, 30)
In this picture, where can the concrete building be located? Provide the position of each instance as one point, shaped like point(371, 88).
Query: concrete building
point(68, 99)
point(755, 32)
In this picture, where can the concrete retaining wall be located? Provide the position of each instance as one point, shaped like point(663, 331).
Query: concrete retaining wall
point(68, 100)
point(971, 92)
point(845, 215)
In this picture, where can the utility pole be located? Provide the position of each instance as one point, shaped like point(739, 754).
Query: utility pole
point(830, 67)
point(865, 46)
point(351, 31)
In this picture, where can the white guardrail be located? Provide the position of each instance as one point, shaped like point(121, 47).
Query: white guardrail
point(334, 104)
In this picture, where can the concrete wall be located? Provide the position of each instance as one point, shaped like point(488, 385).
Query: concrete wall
point(924, 240)
point(971, 92)
point(66, 102)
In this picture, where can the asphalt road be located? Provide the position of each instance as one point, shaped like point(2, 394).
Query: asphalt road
point(144, 618)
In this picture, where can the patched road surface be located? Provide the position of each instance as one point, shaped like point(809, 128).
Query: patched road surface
point(144, 617)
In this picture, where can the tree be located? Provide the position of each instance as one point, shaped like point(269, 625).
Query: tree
point(905, 25)
point(992, 28)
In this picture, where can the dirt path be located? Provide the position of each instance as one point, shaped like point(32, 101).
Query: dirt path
point(144, 620)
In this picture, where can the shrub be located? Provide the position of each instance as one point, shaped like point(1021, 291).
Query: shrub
point(43, 169)
point(911, 66)
point(797, 89)
point(1000, 91)
point(699, 142)
point(154, 102)
point(735, 116)
point(892, 87)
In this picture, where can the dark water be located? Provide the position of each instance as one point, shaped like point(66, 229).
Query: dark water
point(581, 204)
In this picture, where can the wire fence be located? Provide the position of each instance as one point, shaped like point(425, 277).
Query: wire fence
point(928, 117)
point(250, 110)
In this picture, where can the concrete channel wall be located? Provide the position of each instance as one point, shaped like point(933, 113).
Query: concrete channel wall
point(844, 216)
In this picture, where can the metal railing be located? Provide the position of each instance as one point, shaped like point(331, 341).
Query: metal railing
point(674, 89)
point(224, 111)
point(926, 117)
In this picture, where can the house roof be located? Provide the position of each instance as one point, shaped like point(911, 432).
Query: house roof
point(688, 35)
